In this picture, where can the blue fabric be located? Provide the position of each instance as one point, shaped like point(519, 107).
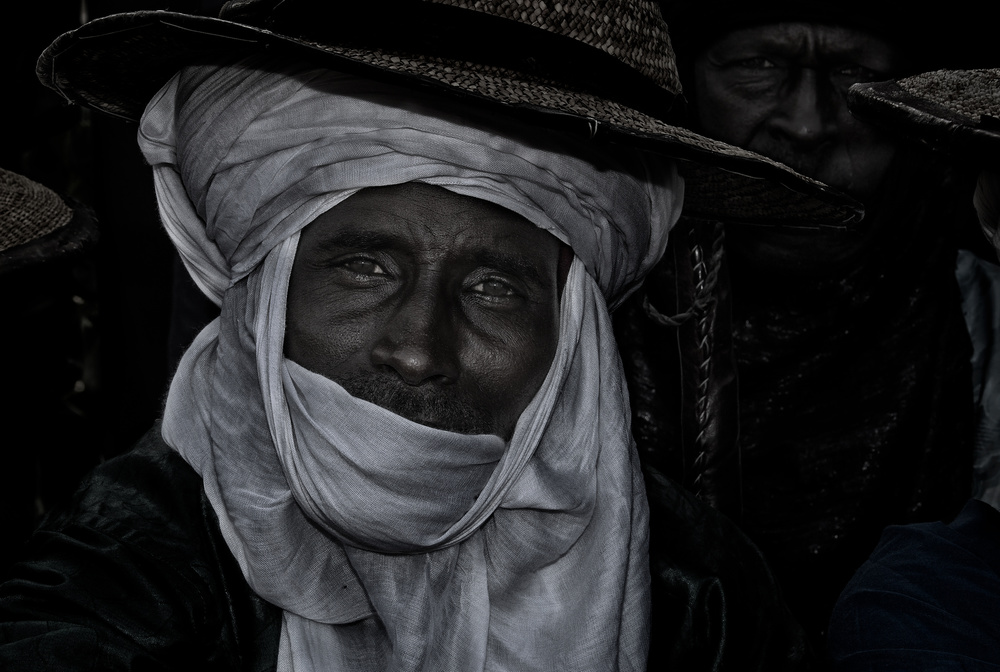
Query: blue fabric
point(928, 598)
point(979, 282)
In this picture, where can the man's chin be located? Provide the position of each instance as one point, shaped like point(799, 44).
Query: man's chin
point(859, 174)
point(792, 252)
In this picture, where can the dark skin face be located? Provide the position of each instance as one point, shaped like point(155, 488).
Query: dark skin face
point(439, 307)
point(781, 90)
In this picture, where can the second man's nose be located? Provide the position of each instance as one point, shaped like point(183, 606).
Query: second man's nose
point(804, 113)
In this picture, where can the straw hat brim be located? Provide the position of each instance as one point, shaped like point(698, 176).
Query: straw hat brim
point(37, 226)
point(117, 63)
point(952, 111)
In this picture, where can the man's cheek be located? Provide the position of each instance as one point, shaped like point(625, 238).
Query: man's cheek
point(864, 162)
point(729, 118)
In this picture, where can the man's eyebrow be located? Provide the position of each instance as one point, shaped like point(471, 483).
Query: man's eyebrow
point(359, 240)
point(510, 263)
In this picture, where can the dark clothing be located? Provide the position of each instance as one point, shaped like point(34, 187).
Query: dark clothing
point(856, 412)
point(852, 393)
point(135, 574)
point(715, 604)
point(927, 599)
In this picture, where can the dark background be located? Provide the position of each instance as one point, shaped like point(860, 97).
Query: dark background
point(88, 341)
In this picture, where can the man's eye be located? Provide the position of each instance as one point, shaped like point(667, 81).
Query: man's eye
point(493, 288)
point(857, 73)
point(363, 267)
point(755, 63)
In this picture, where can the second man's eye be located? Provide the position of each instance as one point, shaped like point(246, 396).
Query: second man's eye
point(857, 73)
point(755, 63)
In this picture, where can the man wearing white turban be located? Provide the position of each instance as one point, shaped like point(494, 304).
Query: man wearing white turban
point(404, 444)
point(388, 247)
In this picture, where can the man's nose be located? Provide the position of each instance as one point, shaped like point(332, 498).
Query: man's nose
point(418, 341)
point(804, 114)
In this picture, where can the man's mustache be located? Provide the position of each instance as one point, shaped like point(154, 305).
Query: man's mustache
point(427, 404)
point(804, 162)
point(808, 161)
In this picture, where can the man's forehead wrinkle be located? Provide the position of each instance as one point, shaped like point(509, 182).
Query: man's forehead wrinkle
point(783, 37)
point(359, 238)
point(415, 216)
point(795, 38)
point(848, 44)
point(809, 41)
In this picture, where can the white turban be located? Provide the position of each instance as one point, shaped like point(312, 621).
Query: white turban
point(547, 568)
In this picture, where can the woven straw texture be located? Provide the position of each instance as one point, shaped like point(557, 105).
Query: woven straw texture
point(28, 210)
point(117, 63)
point(970, 93)
point(953, 111)
point(629, 31)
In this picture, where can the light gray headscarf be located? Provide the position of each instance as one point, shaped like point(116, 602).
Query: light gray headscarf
point(537, 558)
point(986, 199)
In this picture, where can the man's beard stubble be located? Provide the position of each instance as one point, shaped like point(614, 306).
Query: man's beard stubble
point(426, 404)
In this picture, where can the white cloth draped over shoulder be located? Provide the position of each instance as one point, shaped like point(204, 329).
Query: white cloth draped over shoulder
point(390, 545)
point(987, 203)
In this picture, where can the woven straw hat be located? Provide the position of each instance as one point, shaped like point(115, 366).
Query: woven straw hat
point(955, 111)
point(603, 68)
point(36, 225)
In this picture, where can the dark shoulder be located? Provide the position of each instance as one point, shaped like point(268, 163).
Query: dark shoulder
point(715, 603)
point(928, 597)
point(134, 571)
point(969, 544)
point(150, 484)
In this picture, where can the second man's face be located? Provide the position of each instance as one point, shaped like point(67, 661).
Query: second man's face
point(439, 307)
point(781, 90)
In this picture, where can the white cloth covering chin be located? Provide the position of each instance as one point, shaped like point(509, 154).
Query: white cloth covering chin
point(406, 548)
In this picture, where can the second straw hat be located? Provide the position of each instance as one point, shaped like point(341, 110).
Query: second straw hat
point(954, 111)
